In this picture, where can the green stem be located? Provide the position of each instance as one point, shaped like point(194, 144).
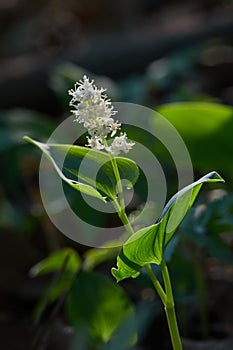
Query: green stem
point(120, 206)
point(119, 183)
point(117, 176)
point(156, 283)
point(167, 298)
point(170, 309)
point(124, 218)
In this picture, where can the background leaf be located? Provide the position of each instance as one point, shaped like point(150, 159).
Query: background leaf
point(55, 261)
point(99, 305)
point(206, 129)
point(64, 264)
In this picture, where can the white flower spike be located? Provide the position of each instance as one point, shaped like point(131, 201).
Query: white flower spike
point(94, 110)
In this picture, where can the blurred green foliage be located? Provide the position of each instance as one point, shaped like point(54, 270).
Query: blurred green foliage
point(207, 129)
point(19, 164)
point(99, 305)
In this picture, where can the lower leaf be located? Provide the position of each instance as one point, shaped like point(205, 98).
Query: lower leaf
point(148, 244)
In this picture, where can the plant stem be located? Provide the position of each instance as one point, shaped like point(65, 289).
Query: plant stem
point(156, 283)
point(120, 206)
point(170, 309)
point(118, 178)
point(167, 298)
point(124, 218)
point(119, 184)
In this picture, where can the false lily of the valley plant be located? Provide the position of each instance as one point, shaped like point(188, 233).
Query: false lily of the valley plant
point(92, 108)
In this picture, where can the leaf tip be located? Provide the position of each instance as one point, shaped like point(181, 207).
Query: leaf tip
point(33, 272)
point(214, 175)
point(27, 138)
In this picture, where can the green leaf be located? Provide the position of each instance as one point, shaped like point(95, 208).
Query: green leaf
point(148, 244)
point(210, 134)
point(95, 161)
point(66, 259)
point(64, 263)
point(205, 117)
point(99, 305)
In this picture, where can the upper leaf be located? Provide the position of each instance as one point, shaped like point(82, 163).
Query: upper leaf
point(148, 244)
point(78, 165)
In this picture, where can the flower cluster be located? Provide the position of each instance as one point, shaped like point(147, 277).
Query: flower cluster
point(94, 110)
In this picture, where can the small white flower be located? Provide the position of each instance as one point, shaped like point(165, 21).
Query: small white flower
point(94, 110)
point(120, 144)
point(114, 127)
point(95, 143)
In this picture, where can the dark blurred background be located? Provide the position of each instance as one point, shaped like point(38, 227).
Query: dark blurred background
point(118, 39)
point(150, 52)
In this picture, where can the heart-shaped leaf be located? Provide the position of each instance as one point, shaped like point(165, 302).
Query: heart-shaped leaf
point(78, 165)
point(148, 244)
